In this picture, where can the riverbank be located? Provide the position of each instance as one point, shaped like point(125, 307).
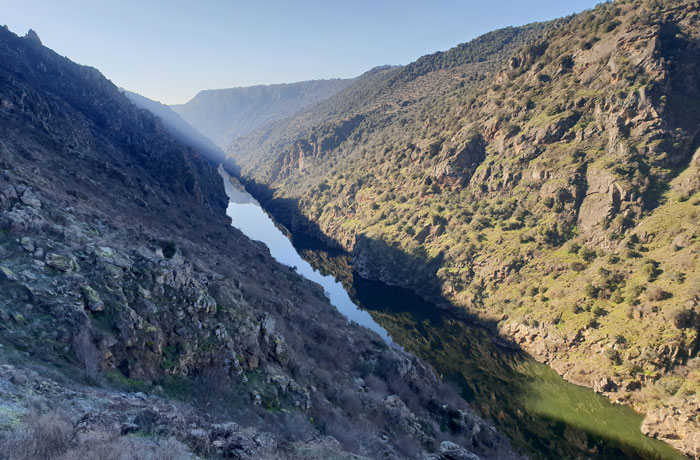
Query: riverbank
point(538, 410)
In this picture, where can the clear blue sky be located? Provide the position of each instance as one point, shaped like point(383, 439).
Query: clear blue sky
point(168, 50)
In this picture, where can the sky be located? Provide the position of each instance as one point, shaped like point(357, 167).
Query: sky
point(169, 50)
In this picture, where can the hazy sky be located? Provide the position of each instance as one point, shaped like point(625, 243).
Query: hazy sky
point(168, 50)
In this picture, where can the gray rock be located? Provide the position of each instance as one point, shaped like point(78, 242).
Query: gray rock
point(10, 192)
point(8, 274)
point(453, 451)
point(61, 262)
point(604, 385)
point(92, 299)
point(27, 244)
point(30, 199)
point(224, 430)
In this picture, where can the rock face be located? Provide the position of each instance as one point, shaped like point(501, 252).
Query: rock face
point(677, 423)
point(543, 178)
point(118, 264)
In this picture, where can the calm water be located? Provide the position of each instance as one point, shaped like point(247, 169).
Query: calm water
point(541, 413)
point(250, 218)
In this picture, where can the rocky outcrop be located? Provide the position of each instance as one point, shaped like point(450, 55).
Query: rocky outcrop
point(604, 199)
point(677, 423)
point(456, 166)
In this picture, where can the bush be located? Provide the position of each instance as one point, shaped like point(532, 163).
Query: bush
point(651, 270)
point(88, 356)
point(683, 318)
point(587, 254)
point(41, 437)
point(591, 290)
point(578, 266)
point(614, 356)
point(656, 294)
point(633, 293)
point(51, 437)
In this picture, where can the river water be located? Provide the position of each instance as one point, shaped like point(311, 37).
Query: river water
point(543, 415)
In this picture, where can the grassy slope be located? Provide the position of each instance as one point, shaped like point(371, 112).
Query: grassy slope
point(573, 216)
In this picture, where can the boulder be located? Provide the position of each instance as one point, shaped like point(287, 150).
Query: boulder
point(30, 199)
point(8, 274)
point(92, 299)
point(452, 451)
point(66, 264)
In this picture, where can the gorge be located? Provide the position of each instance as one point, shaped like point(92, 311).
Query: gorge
point(491, 252)
point(528, 401)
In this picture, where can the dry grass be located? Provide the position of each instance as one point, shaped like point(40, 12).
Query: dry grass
point(52, 437)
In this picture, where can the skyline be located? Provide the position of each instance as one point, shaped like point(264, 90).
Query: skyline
point(169, 51)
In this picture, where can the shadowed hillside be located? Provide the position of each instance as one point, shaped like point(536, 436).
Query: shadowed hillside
point(136, 323)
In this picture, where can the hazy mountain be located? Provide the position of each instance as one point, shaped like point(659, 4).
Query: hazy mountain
point(178, 127)
point(135, 322)
point(226, 114)
point(544, 179)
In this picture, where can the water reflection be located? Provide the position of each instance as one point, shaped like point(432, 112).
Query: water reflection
point(249, 217)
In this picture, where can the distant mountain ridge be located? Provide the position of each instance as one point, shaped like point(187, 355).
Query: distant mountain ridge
point(226, 114)
point(179, 128)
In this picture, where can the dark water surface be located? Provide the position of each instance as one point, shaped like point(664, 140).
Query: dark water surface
point(543, 415)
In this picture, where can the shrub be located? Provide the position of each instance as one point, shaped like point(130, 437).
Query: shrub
point(656, 294)
point(574, 247)
point(578, 266)
point(651, 270)
point(683, 318)
point(587, 254)
point(41, 437)
point(88, 356)
point(614, 356)
point(591, 290)
point(633, 293)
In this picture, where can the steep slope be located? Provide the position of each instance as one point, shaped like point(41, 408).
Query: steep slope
point(226, 114)
point(178, 127)
point(549, 188)
point(119, 269)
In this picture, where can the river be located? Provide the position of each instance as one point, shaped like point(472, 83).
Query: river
point(543, 415)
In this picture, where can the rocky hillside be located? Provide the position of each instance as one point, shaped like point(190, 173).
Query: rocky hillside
point(178, 127)
point(543, 179)
point(136, 323)
point(226, 114)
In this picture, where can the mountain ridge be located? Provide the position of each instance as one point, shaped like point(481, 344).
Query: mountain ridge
point(225, 114)
point(178, 127)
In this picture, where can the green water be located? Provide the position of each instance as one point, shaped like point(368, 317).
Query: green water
point(543, 415)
